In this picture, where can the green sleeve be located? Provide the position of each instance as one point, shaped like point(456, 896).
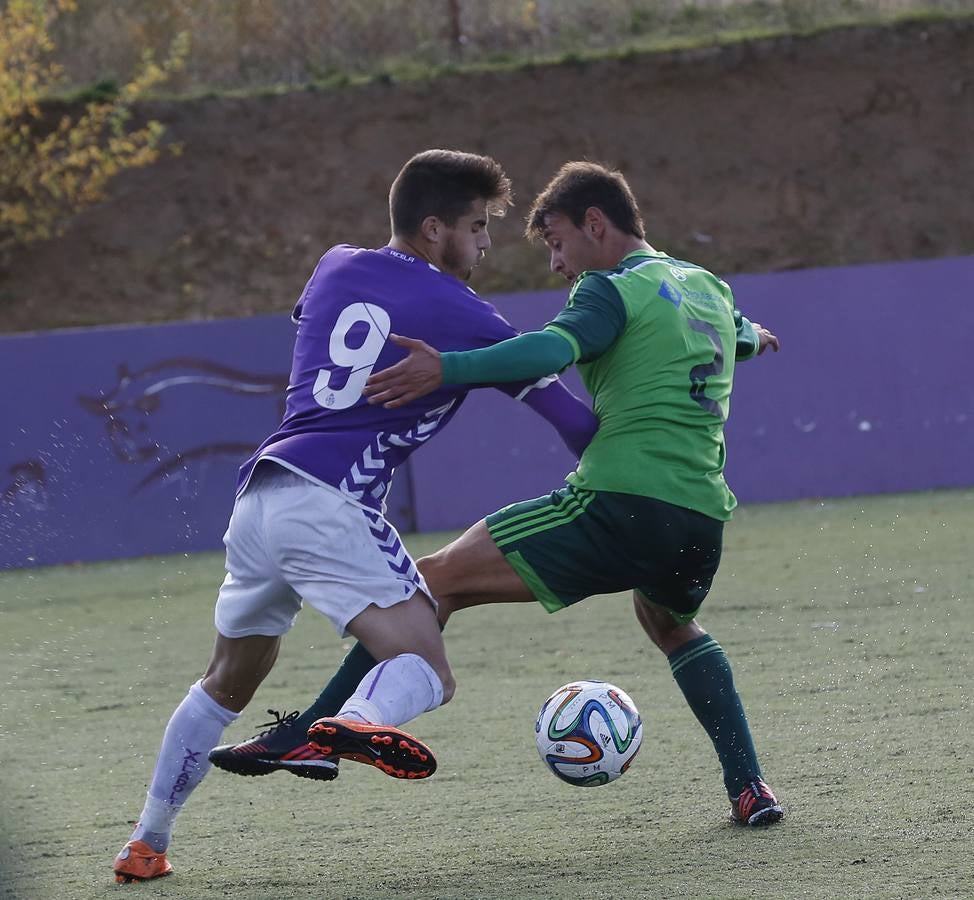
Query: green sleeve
point(522, 358)
point(593, 318)
point(748, 343)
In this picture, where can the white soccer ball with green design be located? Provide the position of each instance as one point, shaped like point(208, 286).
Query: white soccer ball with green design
point(588, 732)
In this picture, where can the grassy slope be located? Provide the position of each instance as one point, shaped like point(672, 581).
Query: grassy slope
point(849, 625)
point(624, 34)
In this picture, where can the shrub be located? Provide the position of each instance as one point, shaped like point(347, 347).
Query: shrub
point(52, 166)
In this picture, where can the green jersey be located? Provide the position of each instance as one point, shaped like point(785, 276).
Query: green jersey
point(659, 364)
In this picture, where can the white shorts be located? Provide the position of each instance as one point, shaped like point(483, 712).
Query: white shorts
point(289, 540)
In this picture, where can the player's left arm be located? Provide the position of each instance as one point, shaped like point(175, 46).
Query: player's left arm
point(571, 417)
point(752, 339)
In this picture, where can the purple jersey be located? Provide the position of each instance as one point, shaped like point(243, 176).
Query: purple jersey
point(353, 300)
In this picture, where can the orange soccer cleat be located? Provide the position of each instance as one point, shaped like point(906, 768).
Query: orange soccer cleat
point(139, 862)
point(395, 752)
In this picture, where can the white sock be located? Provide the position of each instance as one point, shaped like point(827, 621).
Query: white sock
point(155, 823)
point(193, 731)
point(395, 691)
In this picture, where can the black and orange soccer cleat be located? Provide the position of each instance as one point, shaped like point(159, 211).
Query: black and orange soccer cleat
point(139, 862)
point(395, 752)
point(280, 748)
point(756, 805)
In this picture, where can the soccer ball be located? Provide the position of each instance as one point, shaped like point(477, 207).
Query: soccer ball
point(588, 732)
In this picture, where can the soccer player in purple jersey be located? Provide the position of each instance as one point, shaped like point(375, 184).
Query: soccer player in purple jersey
point(656, 340)
point(308, 524)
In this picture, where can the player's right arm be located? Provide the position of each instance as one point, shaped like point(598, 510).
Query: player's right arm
point(572, 418)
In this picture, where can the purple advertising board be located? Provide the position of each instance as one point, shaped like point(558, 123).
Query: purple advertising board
point(867, 394)
point(125, 441)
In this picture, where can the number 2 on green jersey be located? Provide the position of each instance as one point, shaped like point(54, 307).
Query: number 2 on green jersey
point(699, 374)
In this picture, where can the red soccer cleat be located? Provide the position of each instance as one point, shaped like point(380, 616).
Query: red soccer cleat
point(756, 805)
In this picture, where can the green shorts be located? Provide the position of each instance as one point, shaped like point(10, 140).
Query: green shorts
point(573, 543)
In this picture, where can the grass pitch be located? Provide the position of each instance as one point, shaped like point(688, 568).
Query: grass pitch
point(849, 625)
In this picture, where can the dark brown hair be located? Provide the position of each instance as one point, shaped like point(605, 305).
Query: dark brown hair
point(579, 185)
point(443, 183)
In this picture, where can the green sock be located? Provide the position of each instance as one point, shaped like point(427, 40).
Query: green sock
point(356, 665)
point(702, 671)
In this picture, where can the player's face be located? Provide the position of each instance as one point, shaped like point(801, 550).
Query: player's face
point(467, 242)
point(573, 250)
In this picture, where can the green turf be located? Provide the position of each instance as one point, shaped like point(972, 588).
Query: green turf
point(849, 624)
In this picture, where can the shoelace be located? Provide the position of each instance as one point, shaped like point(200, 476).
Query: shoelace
point(755, 791)
point(285, 721)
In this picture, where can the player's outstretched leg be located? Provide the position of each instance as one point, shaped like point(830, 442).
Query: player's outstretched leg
point(283, 745)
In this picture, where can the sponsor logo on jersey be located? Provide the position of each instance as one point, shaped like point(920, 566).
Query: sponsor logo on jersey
point(670, 292)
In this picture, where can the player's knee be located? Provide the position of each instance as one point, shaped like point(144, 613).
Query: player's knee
point(434, 669)
point(232, 682)
point(230, 694)
point(444, 609)
point(666, 632)
point(449, 689)
point(447, 581)
point(435, 570)
point(448, 683)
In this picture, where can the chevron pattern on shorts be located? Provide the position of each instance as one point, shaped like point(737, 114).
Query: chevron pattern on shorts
point(369, 477)
point(387, 540)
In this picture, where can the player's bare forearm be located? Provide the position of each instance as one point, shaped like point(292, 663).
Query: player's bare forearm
point(419, 374)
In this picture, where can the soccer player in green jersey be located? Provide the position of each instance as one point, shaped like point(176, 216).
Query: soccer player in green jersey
point(655, 340)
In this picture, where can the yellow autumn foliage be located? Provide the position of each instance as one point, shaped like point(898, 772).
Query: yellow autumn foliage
point(53, 166)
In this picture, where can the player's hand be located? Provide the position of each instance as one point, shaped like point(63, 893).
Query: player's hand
point(766, 339)
point(417, 375)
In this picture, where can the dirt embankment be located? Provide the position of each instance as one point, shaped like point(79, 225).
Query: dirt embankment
point(852, 146)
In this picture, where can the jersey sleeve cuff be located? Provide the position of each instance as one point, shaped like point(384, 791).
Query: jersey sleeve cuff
point(450, 368)
point(568, 336)
point(748, 343)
